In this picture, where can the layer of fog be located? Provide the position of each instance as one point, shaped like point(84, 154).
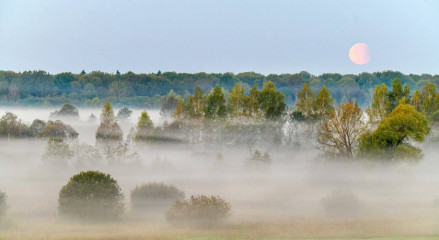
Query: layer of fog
point(293, 186)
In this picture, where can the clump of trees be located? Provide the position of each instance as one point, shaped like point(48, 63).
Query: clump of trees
point(91, 196)
point(170, 104)
point(267, 103)
point(57, 129)
point(392, 137)
point(310, 106)
point(12, 127)
point(3, 205)
point(57, 152)
point(155, 197)
point(199, 210)
point(66, 111)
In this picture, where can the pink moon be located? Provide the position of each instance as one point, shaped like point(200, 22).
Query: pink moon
point(359, 53)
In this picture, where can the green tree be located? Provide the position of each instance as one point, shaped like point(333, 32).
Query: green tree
point(428, 93)
point(236, 101)
point(271, 102)
point(416, 100)
point(144, 126)
point(323, 104)
point(251, 103)
point(380, 104)
point(305, 102)
point(394, 132)
point(216, 104)
point(397, 93)
point(196, 103)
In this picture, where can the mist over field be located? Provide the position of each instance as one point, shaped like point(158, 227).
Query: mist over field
point(297, 188)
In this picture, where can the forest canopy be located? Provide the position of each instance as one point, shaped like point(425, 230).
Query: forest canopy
point(40, 88)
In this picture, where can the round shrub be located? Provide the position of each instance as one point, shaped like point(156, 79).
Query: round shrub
point(199, 210)
point(3, 205)
point(155, 197)
point(91, 196)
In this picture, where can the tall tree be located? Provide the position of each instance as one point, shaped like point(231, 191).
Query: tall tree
point(380, 104)
point(251, 103)
point(428, 94)
point(196, 101)
point(305, 102)
point(108, 129)
point(271, 101)
point(216, 104)
point(397, 93)
point(144, 126)
point(323, 104)
point(236, 101)
point(416, 100)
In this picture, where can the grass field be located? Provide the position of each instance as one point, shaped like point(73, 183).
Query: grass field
point(311, 229)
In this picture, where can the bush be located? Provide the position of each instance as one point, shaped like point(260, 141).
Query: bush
point(3, 205)
point(91, 196)
point(155, 197)
point(199, 210)
point(67, 110)
point(57, 129)
point(342, 204)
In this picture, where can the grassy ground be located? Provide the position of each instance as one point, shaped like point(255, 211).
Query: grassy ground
point(355, 229)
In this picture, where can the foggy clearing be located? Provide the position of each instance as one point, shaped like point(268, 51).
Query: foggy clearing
point(297, 193)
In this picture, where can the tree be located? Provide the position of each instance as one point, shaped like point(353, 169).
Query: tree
point(57, 152)
point(394, 132)
point(380, 104)
point(180, 111)
point(271, 102)
point(36, 128)
point(305, 102)
point(11, 126)
point(251, 103)
point(124, 113)
point(323, 104)
point(428, 93)
point(91, 196)
point(108, 129)
point(57, 129)
point(397, 93)
point(170, 103)
point(215, 104)
point(338, 135)
point(196, 103)
point(67, 110)
point(416, 100)
point(236, 101)
point(144, 126)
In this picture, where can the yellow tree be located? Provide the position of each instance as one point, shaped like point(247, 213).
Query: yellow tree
point(380, 104)
point(338, 135)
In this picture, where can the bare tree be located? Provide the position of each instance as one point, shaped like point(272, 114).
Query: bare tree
point(338, 135)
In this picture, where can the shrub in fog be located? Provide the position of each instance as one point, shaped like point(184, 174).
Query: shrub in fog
point(57, 129)
point(3, 205)
point(155, 197)
point(67, 110)
point(124, 114)
point(36, 128)
point(258, 156)
point(199, 210)
point(11, 126)
point(92, 118)
point(57, 152)
point(108, 129)
point(91, 196)
point(342, 204)
point(145, 127)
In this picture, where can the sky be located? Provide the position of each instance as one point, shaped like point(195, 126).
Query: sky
point(271, 36)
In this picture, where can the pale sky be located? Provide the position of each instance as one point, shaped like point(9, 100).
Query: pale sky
point(218, 35)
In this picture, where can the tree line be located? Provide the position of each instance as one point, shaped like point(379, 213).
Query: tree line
point(150, 90)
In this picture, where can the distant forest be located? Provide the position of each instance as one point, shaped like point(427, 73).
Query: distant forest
point(39, 88)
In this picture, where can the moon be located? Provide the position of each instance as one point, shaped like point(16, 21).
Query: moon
point(359, 53)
